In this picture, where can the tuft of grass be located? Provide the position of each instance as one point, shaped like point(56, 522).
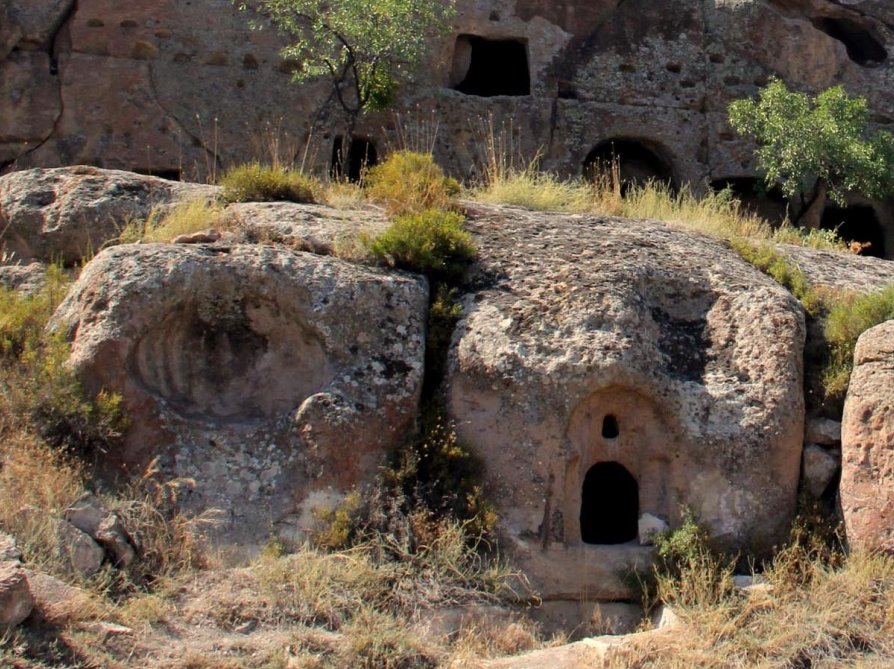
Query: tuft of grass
point(409, 182)
point(848, 317)
point(774, 264)
point(688, 572)
point(718, 214)
point(254, 182)
point(820, 609)
point(165, 224)
point(540, 191)
point(432, 242)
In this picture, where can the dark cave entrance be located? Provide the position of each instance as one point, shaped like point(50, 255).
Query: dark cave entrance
point(857, 224)
point(862, 46)
point(609, 510)
point(768, 203)
point(352, 163)
point(169, 174)
point(636, 163)
point(490, 67)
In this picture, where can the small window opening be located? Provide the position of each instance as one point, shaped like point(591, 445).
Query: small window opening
point(610, 427)
point(629, 161)
point(609, 511)
point(352, 163)
point(857, 225)
point(487, 67)
point(862, 46)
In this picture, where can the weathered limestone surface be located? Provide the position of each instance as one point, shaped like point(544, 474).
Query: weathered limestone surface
point(240, 370)
point(867, 443)
point(315, 228)
point(66, 214)
point(591, 340)
point(840, 271)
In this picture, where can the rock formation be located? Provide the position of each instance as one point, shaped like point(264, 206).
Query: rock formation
point(176, 88)
point(67, 214)
point(605, 369)
point(240, 370)
point(867, 436)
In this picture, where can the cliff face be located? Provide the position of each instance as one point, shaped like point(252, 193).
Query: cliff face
point(184, 88)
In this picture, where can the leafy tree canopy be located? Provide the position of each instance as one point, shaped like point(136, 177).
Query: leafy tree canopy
point(366, 48)
point(816, 147)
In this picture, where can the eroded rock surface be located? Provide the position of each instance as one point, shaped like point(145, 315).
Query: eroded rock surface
point(867, 443)
point(276, 379)
point(605, 368)
point(66, 214)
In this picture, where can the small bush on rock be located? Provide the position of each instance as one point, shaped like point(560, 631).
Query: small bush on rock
point(36, 385)
point(688, 571)
point(410, 182)
point(254, 182)
point(433, 243)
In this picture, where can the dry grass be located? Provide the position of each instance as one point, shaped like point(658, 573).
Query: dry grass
point(717, 214)
point(828, 616)
point(166, 223)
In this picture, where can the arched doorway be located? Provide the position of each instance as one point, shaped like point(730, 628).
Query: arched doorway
point(609, 510)
point(635, 162)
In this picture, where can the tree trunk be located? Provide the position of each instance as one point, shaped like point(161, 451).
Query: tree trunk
point(812, 215)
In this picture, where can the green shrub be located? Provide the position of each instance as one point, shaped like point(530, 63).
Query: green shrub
point(850, 316)
point(36, 385)
point(688, 571)
point(432, 242)
point(410, 182)
point(254, 182)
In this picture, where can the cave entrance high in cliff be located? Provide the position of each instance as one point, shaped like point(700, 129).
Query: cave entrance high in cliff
point(609, 510)
point(491, 67)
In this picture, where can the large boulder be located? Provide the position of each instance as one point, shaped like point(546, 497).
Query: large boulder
point(607, 368)
point(67, 214)
point(16, 600)
point(867, 443)
point(274, 379)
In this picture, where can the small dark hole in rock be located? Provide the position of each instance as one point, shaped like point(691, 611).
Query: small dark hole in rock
point(610, 427)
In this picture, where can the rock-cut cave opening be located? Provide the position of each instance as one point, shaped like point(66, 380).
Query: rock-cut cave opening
point(609, 510)
point(491, 67)
point(862, 46)
point(857, 223)
point(351, 163)
point(635, 163)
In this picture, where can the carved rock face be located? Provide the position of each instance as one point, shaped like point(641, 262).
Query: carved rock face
point(231, 361)
point(647, 361)
point(274, 379)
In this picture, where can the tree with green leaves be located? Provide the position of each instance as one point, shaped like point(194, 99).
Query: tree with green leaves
point(816, 148)
point(365, 48)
